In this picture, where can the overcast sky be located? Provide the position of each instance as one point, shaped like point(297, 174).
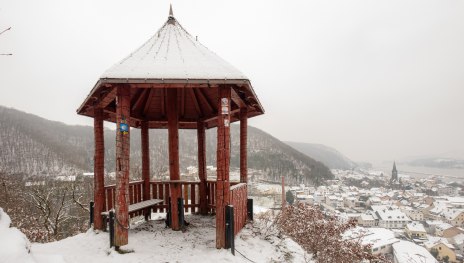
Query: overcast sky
point(377, 80)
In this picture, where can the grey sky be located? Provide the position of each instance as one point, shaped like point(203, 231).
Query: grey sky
point(374, 79)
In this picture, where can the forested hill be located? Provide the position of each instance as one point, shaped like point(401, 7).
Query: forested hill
point(35, 146)
point(327, 155)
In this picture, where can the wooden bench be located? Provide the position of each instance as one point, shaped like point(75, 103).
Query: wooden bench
point(135, 207)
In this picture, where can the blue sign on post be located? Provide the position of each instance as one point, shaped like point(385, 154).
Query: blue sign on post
point(123, 127)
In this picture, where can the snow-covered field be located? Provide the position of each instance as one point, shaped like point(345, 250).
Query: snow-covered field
point(151, 242)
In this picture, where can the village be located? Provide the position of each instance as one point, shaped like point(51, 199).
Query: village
point(407, 220)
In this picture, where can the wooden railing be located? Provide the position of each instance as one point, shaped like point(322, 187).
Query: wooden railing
point(190, 193)
point(158, 190)
point(238, 198)
point(211, 194)
point(135, 195)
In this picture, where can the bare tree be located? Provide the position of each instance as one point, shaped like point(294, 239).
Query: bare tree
point(54, 204)
point(321, 235)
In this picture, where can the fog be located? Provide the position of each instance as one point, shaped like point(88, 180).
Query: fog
point(377, 80)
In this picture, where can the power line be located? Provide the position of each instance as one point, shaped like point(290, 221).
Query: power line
point(5, 30)
point(5, 54)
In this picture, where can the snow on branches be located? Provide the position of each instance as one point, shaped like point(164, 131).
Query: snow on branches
point(321, 235)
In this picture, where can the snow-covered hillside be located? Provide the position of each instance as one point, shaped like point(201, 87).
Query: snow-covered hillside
point(151, 242)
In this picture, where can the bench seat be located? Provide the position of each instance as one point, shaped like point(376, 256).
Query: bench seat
point(139, 206)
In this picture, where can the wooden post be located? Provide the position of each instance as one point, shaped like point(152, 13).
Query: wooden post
point(223, 162)
point(202, 166)
point(284, 198)
point(243, 145)
point(145, 160)
point(174, 173)
point(98, 169)
point(122, 166)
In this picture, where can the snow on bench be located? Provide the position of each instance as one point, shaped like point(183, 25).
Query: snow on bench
point(139, 206)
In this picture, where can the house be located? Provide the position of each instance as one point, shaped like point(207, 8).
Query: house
point(447, 231)
point(380, 239)
point(415, 230)
point(407, 252)
point(367, 220)
point(334, 201)
point(374, 200)
point(413, 214)
point(392, 218)
point(308, 199)
point(458, 242)
point(431, 226)
point(442, 249)
point(454, 217)
point(350, 201)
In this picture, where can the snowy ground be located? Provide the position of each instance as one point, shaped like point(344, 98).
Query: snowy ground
point(152, 242)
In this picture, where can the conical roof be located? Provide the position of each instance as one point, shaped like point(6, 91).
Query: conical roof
point(172, 58)
point(172, 53)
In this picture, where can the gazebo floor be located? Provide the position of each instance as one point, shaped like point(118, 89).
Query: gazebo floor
point(152, 242)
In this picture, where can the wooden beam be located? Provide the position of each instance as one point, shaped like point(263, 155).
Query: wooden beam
point(173, 142)
point(201, 139)
point(122, 168)
point(195, 102)
point(243, 145)
point(237, 99)
point(163, 102)
point(233, 112)
point(169, 86)
point(206, 101)
point(140, 99)
point(107, 98)
point(223, 163)
point(145, 160)
point(164, 125)
point(99, 169)
point(148, 102)
point(182, 101)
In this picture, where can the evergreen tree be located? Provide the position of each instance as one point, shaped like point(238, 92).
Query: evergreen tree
point(290, 198)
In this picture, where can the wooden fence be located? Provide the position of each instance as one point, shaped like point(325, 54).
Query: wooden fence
point(190, 194)
point(238, 198)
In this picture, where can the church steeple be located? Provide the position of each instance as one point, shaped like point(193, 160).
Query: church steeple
point(394, 178)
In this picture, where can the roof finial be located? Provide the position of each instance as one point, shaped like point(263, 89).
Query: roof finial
point(171, 14)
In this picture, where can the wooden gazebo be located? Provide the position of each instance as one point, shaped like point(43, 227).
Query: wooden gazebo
point(171, 81)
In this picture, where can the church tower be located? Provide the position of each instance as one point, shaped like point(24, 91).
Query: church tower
point(395, 182)
point(394, 177)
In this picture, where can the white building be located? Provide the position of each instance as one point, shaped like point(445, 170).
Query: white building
point(392, 218)
point(407, 252)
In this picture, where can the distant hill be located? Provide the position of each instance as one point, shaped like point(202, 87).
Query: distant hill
point(447, 163)
point(33, 145)
point(328, 156)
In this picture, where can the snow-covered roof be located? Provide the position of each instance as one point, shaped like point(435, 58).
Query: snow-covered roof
point(459, 239)
point(434, 241)
point(367, 217)
point(443, 226)
point(415, 227)
point(172, 53)
point(377, 237)
point(171, 58)
point(408, 252)
point(451, 214)
point(392, 215)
